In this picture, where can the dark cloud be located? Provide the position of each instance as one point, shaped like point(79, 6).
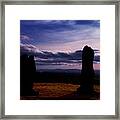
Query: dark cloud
point(59, 31)
point(49, 58)
point(77, 55)
point(97, 58)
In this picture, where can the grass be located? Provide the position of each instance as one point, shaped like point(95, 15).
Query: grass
point(62, 91)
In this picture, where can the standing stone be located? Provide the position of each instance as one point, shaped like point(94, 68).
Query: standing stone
point(27, 75)
point(87, 73)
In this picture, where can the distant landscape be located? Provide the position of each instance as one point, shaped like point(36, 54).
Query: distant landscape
point(63, 76)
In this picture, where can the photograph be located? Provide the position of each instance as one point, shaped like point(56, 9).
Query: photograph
point(59, 59)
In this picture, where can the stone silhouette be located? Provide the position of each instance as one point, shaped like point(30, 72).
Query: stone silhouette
point(27, 74)
point(87, 73)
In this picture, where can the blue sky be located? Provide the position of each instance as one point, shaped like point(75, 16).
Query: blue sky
point(55, 41)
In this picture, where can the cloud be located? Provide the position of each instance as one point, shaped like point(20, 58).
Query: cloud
point(62, 35)
point(60, 22)
point(59, 58)
point(47, 32)
point(97, 58)
point(28, 48)
point(40, 61)
point(24, 37)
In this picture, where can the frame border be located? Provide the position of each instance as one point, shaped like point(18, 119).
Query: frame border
point(62, 2)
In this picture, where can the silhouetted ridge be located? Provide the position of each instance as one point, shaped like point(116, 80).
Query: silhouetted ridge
point(27, 74)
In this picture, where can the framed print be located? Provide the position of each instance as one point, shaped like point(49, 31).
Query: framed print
point(60, 59)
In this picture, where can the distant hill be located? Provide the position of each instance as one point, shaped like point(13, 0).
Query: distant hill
point(97, 72)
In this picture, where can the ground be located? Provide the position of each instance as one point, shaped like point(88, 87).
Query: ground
point(60, 91)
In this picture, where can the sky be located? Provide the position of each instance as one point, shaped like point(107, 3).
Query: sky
point(59, 43)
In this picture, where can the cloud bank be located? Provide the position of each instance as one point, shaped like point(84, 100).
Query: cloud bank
point(59, 58)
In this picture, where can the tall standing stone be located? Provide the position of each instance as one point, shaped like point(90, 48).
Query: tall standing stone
point(27, 75)
point(87, 72)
